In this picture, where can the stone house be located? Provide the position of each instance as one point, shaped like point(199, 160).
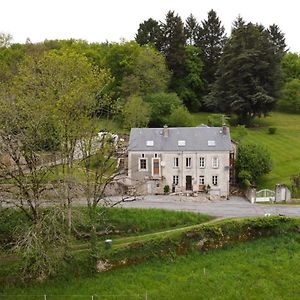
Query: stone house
point(187, 159)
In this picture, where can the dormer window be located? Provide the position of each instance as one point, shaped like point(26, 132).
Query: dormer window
point(211, 143)
point(150, 143)
point(181, 143)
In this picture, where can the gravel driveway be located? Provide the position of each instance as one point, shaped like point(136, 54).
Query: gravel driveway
point(235, 207)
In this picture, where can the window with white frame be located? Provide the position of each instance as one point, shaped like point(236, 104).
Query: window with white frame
point(215, 179)
point(188, 162)
point(215, 162)
point(143, 164)
point(201, 179)
point(202, 162)
point(175, 179)
point(176, 162)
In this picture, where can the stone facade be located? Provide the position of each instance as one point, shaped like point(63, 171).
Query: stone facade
point(192, 175)
point(195, 159)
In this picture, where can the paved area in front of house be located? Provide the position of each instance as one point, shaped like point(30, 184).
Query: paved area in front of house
point(234, 207)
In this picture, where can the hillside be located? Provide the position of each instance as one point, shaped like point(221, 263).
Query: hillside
point(284, 145)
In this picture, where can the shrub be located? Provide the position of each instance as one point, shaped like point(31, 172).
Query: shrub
point(180, 116)
point(166, 189)
point(161, 106)
point(290, 101)
point(217, 120)
point(240, 133)
point(272, 130)
point(254, 159)
point(135, 113)
point(245, 178)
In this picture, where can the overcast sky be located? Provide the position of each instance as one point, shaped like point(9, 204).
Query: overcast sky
point(111, 20)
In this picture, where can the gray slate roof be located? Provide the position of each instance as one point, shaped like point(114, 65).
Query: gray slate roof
point(196, 139)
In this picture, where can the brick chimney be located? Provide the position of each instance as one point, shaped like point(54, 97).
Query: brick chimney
point(224, 129)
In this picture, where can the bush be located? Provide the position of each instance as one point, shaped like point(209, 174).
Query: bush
point(240, 133)
point(166, 189)
point(161, 106)
point(180, 116)
point(272, 130)
point(217, 120)
point(255, 160)
point(135, 113)
point(290, 101)
point(245, 178)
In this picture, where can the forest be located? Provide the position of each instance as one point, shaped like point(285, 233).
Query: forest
point(173, 67)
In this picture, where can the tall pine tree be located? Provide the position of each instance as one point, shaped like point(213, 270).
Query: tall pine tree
point(278, 40)
point(149, 33)
point(248, 75)
point(173, 41)
point(211, 40)
point(191, 30)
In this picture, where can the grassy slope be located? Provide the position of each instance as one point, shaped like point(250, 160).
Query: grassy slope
point(284, 145)
point(139, 221)
point(262, 269)
point(128, 221)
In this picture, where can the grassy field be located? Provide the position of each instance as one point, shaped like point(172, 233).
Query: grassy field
point(119, 221)
point(284, 145)
point(139, 221)
point(267, 268)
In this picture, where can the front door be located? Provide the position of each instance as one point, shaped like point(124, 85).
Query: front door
point(155, 167)
point(188, 183)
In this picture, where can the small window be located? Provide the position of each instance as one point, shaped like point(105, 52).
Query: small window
point(142, 155)
point(201, 180)
point(181, 143)
point(155, 155)
point(215, 180)
point(150, 143)
point(188, 162)
point(143, 164)
point(202, 162)
point(211, 143)
point(176, 162)
point(215, 162)
point(175, 180)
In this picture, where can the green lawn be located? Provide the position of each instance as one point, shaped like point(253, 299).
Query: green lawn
point(284, 145)
point(267, 268)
